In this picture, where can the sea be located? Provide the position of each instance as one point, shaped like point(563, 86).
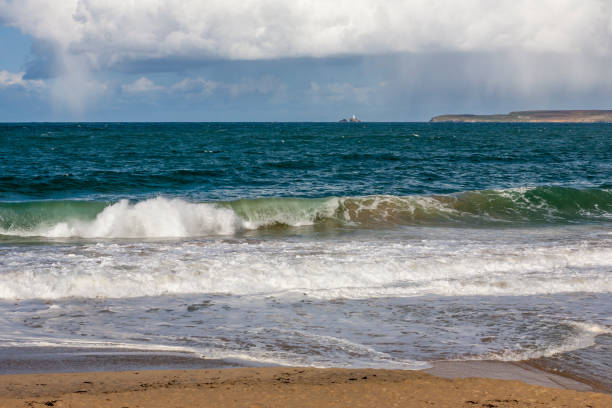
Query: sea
point(388, 245)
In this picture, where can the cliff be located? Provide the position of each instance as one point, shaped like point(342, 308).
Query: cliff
point(558, 116)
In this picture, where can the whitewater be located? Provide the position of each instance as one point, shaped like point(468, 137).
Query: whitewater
point(311, 244)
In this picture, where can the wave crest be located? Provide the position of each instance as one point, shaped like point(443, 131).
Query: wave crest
point(162, 217)
point(156, 217)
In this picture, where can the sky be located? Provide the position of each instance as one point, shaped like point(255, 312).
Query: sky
point(315, 60)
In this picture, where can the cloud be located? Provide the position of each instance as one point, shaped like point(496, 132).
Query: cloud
point(10, 79)
point(195, 86)
point(202, 87)
point(141, 85)
point(547, 45)
point(347, 92)
point(114, 31)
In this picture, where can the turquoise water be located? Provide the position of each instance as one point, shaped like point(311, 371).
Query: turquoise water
point(371, 244)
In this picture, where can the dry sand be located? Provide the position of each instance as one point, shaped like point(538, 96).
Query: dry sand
point(280, 387)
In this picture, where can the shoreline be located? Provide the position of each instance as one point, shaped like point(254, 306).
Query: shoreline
point(81, 376)
point(51, 360)
point(280, 387)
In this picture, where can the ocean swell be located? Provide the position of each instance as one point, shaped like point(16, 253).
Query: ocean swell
point(164, 217)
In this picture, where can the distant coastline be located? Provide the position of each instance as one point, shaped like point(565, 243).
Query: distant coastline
point(537, 116)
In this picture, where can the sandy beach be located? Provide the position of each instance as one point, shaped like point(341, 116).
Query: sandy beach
point(81, 377)
point(280, 387)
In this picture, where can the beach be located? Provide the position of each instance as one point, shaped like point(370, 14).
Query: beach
point(183, 380)
point(280, 387)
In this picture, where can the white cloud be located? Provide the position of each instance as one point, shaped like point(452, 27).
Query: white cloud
point(87, 36)
point(111, 31)
point(75, 88)
point(15, 79)
point(142, 84)
point(202, 87)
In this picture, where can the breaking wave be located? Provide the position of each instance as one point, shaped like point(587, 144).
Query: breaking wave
point(172, 217)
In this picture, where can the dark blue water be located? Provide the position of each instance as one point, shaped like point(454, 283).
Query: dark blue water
point(227, 161)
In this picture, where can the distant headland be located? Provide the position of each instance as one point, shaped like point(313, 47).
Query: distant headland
point(537, 116)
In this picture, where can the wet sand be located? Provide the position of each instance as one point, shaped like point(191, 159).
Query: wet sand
point(501, 370)
point(279, 387)
point(81, 377)
point(33, 360)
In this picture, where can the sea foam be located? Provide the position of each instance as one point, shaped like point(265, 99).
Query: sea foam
point(327, 269)
point(153, 218)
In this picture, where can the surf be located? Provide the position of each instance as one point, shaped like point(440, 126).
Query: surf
point(162, 217)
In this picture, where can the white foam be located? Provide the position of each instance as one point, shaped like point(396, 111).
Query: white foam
point(154, 218)
point(361, 356)
point(321, 270)
point(161, 217)
point(585, 334)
